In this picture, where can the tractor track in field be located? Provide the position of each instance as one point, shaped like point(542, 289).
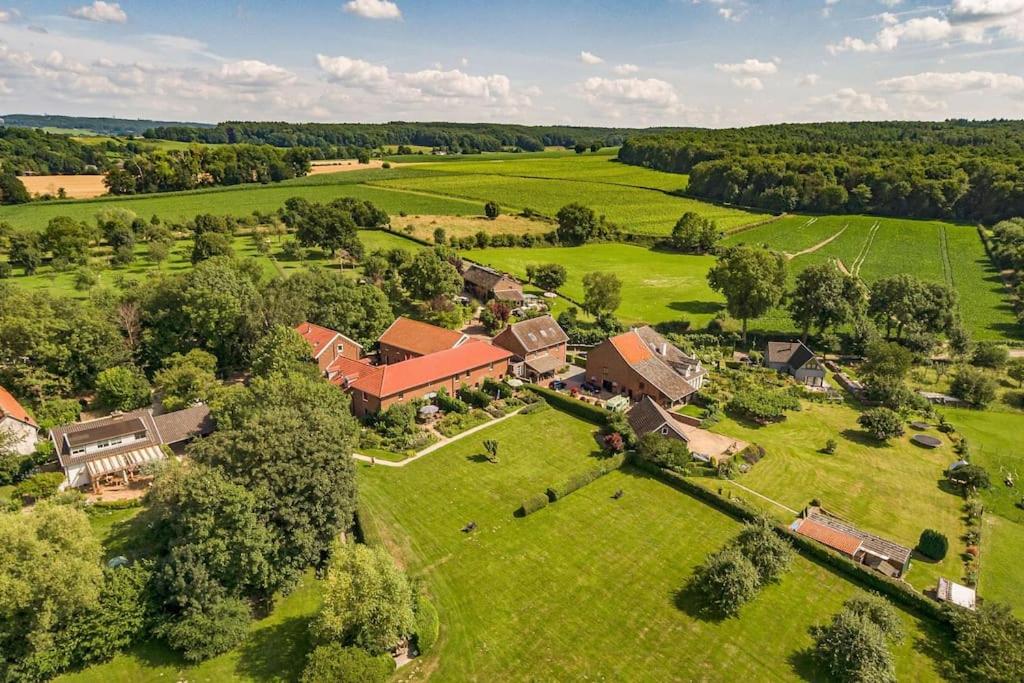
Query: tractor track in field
point(820, 245)
point(947, 267)
point(863, 254)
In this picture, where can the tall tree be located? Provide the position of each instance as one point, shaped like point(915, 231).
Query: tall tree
point(752, 280)
point(602, 293)
point(694, 233)
point(576, 224)
point(824, 297)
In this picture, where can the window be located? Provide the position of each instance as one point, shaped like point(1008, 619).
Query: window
point(664, 431)
point(341, 349)
point(365, 397)
point(76, 451)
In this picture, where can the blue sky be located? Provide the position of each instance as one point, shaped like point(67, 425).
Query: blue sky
point(613, 62)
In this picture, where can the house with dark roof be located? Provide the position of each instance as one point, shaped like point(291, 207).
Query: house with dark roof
point(537, 345)
point(16, 421)
point(407, 338)
point(119, 445)
point(648, 417)
point(796, 359)
point(641, 363)
point(467, 364)
point(891, 559)
point(327, 345)
point(485, 283)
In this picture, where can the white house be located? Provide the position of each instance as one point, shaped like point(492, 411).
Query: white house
point(798, 360)
point(14, 419)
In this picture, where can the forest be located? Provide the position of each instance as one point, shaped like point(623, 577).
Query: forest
point(952, 169)
point(94, 124)
point(466, 138)
point(25, 150)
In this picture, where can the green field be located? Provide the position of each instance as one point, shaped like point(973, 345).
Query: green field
point(588, 588)
point(656, 286)
point(874, 248)
point(888, 490)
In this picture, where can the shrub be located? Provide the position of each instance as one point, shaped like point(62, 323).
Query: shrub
point(57, 411)
point(613, 442)
point(852, 648)
point(209, 630)
point(535, 407)
point(428, 625)
point(970, 477)
point(726, 581)
point(973, 385)
point(933, 544)
point(449, 404)
point(117, 621)
point(664, 452)
point(533, 503)
point(830, 447)
point(492, 210)
point(576, 407)
point(989, 354)
point(333, 663)
point(40, 486)
point(762, 405)
point(474, 397)
point(881, 423)
point(770, 554)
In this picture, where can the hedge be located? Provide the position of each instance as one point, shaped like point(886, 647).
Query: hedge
point(532, 504)
point(428, 625)
point(573, 406)
point(581, 479)
point(898, 591)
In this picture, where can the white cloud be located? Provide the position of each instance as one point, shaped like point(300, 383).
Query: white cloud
point(939, 82)
point(373, 9)
point(100, 11)
point(748, 83)
point(650, 92)
point(254, 73)
point(850, 101)
point(590, 58)
point(625, 69)
point(749, 67)
point(419, 86)
point(808, 80)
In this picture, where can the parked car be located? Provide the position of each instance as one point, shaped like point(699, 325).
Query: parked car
point(558, 384)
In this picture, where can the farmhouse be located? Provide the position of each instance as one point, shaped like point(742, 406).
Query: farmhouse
point(641, 363)
point(647, 417)
point(407, 338)
point(467, 364)
point(327, 345)
point(884, 556)
point(796, 359)
point(118, 445)
point(15, 420)
point(485, 283)
point(537, 346)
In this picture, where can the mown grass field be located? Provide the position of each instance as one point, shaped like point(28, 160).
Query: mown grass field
point(656, 286)
point(588, 588)
point(891, 490)
point(873, 248)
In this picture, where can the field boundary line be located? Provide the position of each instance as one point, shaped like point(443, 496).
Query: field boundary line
point(819, 245)
point(764, 497)
point(947, 267)
point(750, 226)
point(462, 198)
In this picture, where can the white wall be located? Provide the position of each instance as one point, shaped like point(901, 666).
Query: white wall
point(25, 435)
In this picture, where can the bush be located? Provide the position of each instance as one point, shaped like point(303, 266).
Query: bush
point(933, 544)
point(449, 404)
point(853, 648)
point(664, 451)
point(535, 407)
point(584, 411)
point(428, 625)
point(770, 554)
point(122, 388)
point(57, 411)
point(474, 397)
point(989, 354)
point(207, 631)
point(881, 423)
point(119, 619)
point(40, 486)
point(333, 663)
point(762, 405)
point(532, 504)
point(973, 385)
point(726, 581)
point(830, 447)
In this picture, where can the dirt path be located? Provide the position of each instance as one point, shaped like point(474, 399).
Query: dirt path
point(842, 267)
point(819, 245)
point(763, 497)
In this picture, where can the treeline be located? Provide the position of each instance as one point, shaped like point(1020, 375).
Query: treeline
point(25, 150)
point(95, 124)
point(198, 166)
point(953, 169)
point(466, 138)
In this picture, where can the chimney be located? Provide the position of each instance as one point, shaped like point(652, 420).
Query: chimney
point(664, 348)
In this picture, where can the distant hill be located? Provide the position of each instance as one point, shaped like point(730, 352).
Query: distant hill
point(90, 124)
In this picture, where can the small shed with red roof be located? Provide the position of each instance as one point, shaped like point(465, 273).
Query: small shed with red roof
point(15, 420)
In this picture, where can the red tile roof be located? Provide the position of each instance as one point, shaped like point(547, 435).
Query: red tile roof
point(420, 338)
point(317, 336)
point(9, 407)
point(833, 538)
point(631, 347)
point(415, 372)
point(344, 371)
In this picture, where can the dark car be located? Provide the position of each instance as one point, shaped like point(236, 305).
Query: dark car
point(558, 384)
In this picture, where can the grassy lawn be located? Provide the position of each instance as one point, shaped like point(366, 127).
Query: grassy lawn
point(588, 588)
point(656, 286)
point(1002, 575)
point(892, 490)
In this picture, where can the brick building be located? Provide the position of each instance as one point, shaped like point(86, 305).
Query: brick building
point(407, 338)
point(326, 344)
point(538, 346)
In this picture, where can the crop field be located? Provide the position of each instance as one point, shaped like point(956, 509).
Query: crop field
point(656, 286)
point(588, 588)
point(873, 248)
point(638, 210)
point(861, 482)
